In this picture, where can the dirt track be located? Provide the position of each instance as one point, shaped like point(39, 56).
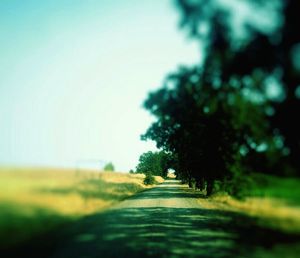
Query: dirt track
point(167, 221)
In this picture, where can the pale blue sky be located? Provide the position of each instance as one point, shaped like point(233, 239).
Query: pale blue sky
point(74, 74)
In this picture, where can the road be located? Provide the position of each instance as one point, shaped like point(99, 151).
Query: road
point(167, 221)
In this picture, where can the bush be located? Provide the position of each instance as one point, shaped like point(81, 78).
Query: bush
point(239, 186)
point(149, 180)
point(109, 167)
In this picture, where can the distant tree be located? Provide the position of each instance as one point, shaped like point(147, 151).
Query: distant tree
point(155, 163)
point(109, 167)
point(131, 171)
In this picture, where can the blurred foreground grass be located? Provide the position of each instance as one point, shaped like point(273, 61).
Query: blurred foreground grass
point(35, 201)
point(284, 189)
point(273, 201)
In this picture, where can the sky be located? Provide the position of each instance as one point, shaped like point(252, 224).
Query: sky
point(74, 74)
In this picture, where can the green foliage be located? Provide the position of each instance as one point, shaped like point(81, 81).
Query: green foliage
point(109, 167)
point(155, 163)
point(131, 171)
point(274, 186)
point(149, 180)
point(218, 119)
point(202, 128)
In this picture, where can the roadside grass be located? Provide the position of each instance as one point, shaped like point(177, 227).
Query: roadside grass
point(273, 201)
point(34, 201)
point(286, 189)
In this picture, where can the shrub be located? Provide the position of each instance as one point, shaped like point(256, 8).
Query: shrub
point(239, 186)
point(109, 167)
point(149, 180)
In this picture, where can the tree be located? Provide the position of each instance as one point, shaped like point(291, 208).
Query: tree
point(109, 167)
point(203, 127)
point(154, 163)
point(265, 58)
point(219, 118)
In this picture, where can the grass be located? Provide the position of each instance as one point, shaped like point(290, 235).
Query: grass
point(286, 189)
point(273, 201)
point(35, 201)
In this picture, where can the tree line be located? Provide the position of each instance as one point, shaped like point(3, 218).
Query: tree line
point(235, 112)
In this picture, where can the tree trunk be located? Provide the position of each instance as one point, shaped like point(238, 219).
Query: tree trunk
point(209, 187)
point(190, 182)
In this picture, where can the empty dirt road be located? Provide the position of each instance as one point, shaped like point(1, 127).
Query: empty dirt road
point(167, 221)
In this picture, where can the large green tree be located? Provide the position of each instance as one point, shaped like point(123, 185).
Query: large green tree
point(222, 119)
point(205, 128)
point(263, 61)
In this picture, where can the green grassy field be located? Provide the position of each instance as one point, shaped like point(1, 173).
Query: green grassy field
point(273, 201)
point(286, 189)
point(36, 201)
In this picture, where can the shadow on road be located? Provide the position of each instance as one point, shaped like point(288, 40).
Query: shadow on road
point(168, 232)
point(164, 232)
